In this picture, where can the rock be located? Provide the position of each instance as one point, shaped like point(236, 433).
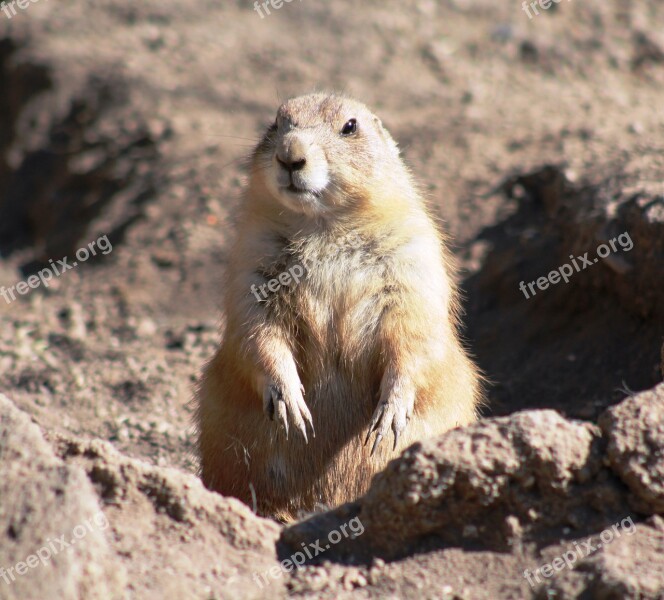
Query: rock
point(635, 432)
point(484, 473)
point(509, 477)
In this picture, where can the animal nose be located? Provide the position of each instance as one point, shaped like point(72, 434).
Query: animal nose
point(292, 152)
point(292, 164)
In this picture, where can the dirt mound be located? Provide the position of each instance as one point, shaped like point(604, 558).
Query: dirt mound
point(533, 484)
point(602, 313)
point(102, 525)
point(42, 499)
point(504, 492)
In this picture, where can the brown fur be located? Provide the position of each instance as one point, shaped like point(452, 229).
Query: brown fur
point(373, 323)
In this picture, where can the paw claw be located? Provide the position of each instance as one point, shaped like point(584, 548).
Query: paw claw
point(375, 421)
point(376, 443)
point(281, 413)
point(392, 413)
point(287, 409)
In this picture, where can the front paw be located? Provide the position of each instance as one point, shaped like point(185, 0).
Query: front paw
point(284, 405)
point(393, 411)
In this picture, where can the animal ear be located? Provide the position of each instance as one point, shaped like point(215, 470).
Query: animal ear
point(386, 136)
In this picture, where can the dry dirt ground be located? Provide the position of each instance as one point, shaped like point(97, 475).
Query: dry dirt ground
point(534, 138)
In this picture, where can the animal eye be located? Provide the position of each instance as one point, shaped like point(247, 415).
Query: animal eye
point(350, 127)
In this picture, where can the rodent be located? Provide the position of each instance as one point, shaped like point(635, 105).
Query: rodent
point(364, 347)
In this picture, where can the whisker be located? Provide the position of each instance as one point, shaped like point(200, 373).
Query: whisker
point(239, 160)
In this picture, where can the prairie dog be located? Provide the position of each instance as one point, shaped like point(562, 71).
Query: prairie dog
point(362, 347)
